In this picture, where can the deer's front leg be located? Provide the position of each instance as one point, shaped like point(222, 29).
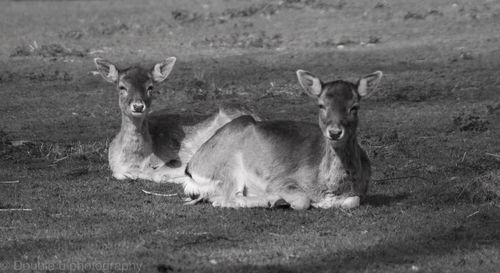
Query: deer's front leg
point(337, 201)
point(166, 174)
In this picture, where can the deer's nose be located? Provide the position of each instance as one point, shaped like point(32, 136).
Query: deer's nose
point(138, 107)
point(335, 133)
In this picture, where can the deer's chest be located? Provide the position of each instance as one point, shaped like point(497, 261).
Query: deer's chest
point(335, 175)
point(129, 153)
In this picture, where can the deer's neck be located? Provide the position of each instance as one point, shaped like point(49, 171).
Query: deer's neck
point(338, 163)
point(345, 152)
point(134, 133)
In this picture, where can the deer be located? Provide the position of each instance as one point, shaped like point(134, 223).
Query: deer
point(249, 163)
point(153, 145)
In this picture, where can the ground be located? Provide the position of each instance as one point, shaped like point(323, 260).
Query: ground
point(432, 132)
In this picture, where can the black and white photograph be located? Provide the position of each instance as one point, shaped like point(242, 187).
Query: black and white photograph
point(250, 136)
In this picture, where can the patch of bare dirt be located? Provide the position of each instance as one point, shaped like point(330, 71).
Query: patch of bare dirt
point(37, 76)
point(348, 41)
point(49, 50)
point(243, 40)
point(184, 16)
point(106, 29)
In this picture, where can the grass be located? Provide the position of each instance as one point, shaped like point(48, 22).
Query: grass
point(430, 132)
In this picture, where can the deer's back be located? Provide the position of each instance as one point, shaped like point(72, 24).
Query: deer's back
point(268, 149)
point(169, 131)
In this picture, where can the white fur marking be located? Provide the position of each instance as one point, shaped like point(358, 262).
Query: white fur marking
point(205, 187)
point(351, 202)
point(255, 185)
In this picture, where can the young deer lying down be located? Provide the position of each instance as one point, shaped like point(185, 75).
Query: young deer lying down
point(256, 164)
point(153, 146)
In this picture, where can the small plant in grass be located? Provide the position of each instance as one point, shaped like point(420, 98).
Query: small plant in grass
point(4, 138)
point(414, 16)
point(470, 121)
point(6, 76)
point(107, 29)
point(185, 16)
point(480, 189)
point(74, 34)
point(199, 88)
point(490, 182)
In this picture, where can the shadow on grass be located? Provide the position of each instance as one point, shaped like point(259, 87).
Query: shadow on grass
point(483, 231)
point(378, 200)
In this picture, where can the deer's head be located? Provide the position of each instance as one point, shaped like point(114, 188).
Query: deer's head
point(338, 102)
point(135, 84)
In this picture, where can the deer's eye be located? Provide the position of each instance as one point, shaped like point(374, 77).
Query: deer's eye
point(354, 109)
point(150, 90)
point(321, 106)
point(122, 89)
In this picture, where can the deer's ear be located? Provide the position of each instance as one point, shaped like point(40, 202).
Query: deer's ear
point(368, 84)
point(163, 69)
point(106, 69)
point(310, 83)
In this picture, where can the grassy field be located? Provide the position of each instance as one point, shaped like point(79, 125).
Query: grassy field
point(432, 132)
